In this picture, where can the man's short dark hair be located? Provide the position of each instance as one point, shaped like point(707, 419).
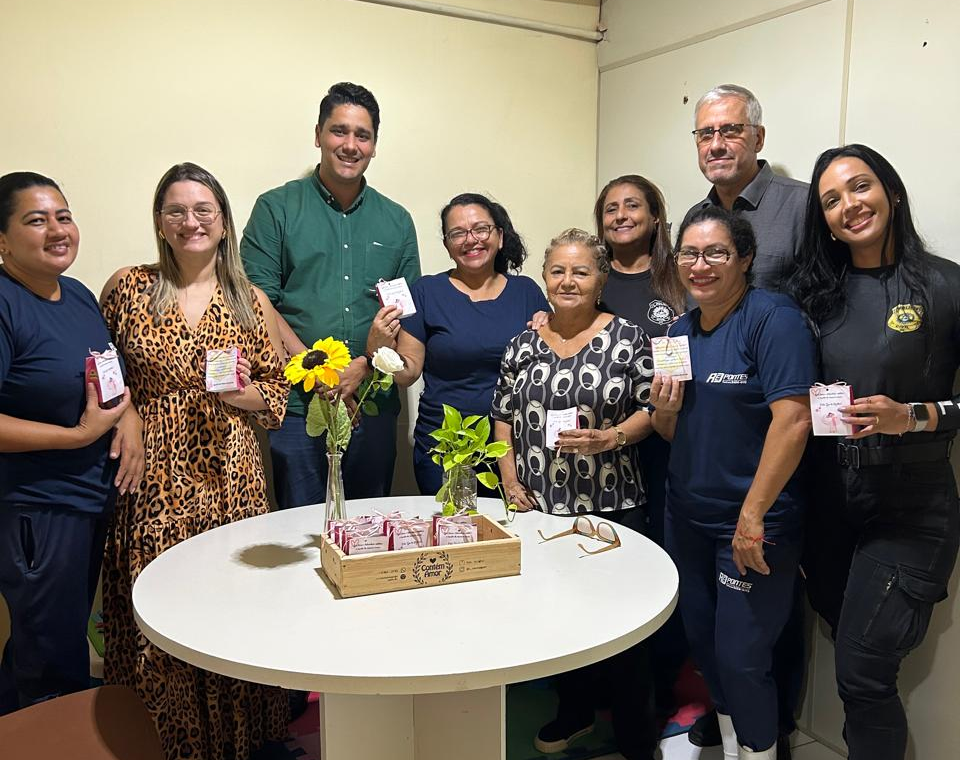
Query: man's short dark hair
point(350, 94)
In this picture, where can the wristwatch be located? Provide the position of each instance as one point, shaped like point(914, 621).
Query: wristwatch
point(621, 438)
point(921, 414)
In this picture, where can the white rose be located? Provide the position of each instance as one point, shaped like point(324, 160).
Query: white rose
point(387, 361)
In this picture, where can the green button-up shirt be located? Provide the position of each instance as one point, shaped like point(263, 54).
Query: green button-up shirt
point(318, 263)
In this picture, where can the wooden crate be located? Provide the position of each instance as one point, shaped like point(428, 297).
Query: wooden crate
point(496, 553)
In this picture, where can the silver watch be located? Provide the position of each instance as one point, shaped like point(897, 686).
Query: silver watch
point(921, 415)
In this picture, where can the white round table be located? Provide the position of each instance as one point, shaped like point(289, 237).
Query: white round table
point(410, 674)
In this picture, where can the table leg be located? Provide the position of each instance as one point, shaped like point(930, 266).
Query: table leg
point(467, 725)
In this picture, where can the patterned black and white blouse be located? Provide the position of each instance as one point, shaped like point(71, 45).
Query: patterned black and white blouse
point(608, 380)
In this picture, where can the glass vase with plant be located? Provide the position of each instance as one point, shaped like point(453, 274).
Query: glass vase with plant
point(462, 448)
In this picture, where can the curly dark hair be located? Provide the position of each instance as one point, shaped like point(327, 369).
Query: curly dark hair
point(13, 183)
point(350, 94)
point(511, 256)
point(740, 229)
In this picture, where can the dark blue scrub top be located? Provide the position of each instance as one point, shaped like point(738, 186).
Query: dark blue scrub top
point(43, 345)
point(762, 352)
point(464, 343)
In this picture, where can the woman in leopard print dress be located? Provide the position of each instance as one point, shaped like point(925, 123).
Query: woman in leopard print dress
point(203, 465)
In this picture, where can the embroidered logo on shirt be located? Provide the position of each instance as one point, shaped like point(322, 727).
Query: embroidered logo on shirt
point(733, 583)
point(905, 318)
point(660, 313)
point(723, 377)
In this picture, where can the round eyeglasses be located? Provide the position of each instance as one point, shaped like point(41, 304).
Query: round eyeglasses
point(480, 233)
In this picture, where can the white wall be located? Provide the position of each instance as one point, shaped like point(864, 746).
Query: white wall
point(882, 72)
point(104, 97)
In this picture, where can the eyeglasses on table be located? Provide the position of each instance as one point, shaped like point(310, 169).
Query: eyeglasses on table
point(583, 526)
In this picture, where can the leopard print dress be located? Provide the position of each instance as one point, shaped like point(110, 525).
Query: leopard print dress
point(203, 469)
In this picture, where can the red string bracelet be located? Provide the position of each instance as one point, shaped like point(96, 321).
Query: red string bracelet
point(755, 539)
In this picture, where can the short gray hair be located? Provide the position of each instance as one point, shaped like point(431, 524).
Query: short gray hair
point(754, 111)
point(576, 236)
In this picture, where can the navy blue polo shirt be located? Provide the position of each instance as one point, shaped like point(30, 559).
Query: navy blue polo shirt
point(43, 345)
point(762, 352)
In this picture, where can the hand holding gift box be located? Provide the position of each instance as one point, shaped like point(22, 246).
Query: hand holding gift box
point(103, 370)
point(825, 404)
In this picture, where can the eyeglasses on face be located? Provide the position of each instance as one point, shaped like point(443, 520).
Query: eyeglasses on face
point(177, 215)
point(726, 131)
point(712, 256)
point(480, 233)
point(582, 526)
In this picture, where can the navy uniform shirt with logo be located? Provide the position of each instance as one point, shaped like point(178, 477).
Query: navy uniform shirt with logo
point(763, 352)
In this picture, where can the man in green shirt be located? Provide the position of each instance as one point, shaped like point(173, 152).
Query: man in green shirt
point(317, 246)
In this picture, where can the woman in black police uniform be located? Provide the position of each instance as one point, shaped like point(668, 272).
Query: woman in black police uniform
point(886, 525)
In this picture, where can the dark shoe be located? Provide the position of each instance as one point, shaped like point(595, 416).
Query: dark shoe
point(557, 735)
point(705, 732)
point(783, 747)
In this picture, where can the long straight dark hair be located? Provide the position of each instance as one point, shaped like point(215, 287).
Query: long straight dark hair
point(663, 273)
point(819, 274)
point(818, 282)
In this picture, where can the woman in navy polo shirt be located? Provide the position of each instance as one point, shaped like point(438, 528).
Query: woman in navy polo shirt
point(56, 478)
point(734, 510)
point(465, 317)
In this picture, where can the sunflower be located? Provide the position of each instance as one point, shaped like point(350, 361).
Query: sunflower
point(322, 363)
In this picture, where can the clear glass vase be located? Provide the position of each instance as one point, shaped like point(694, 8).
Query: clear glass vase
point(335, 509)
point(462, 489)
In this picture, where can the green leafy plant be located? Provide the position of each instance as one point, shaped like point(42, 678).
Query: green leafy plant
point(461, 442)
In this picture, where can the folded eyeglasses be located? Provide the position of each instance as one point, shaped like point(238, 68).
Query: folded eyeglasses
point(583, 526)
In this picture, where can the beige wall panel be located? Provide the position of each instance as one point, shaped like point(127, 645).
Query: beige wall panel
point(639, 27)
point(904, 80)
point(130, 89)
point(645, 123)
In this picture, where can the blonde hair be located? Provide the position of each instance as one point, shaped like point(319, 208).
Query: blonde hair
point(576, 236)
point(236, 288)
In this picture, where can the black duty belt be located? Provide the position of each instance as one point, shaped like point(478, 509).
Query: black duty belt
point(854, 456)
